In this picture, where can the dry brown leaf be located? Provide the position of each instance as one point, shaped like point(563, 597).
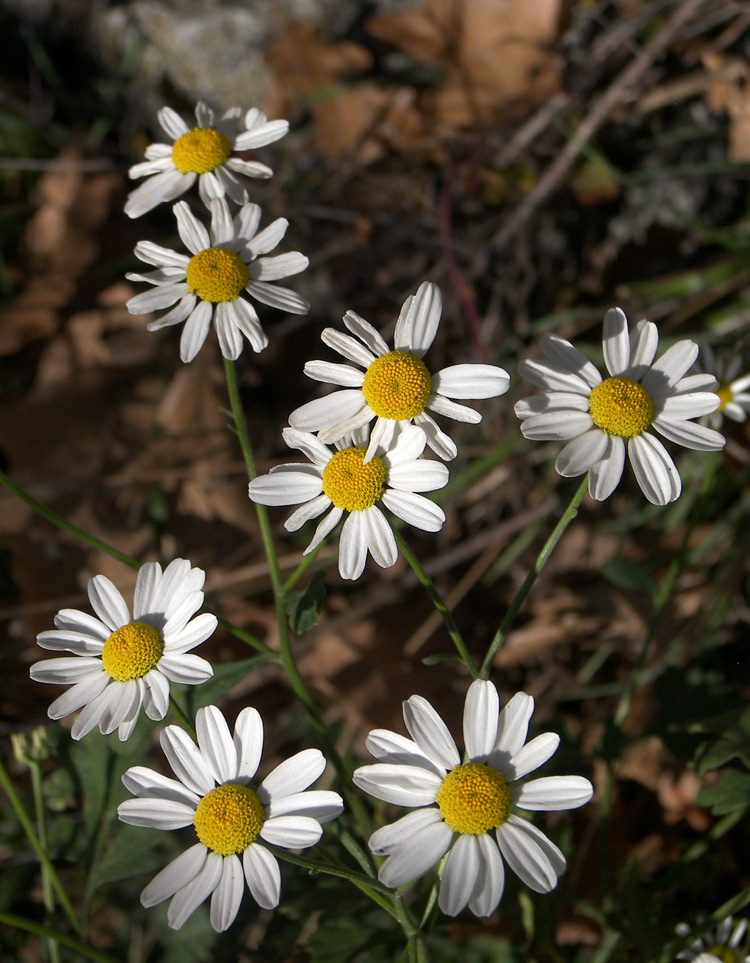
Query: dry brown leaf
point(493, 53)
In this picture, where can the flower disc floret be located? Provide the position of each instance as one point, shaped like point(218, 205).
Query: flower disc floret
point(621, 407)
point(132, 651)
point(474, 799)
point(352, 485)
point(726, 395)
point(200, 150)
point(724, 953)
point(397, 385)
point(216, 274)
point(229, 818)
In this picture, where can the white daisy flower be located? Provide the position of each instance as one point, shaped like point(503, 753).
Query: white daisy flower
point(232, 815)
point(119, 663)
point(721, 946)
point(396, 385)
point(467, 810)
point(734, 396)
point(344, 481)
point(602, 419)
point(208, 286)
point(204, 152)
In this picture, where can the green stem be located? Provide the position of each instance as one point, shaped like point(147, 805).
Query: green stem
point(181, 716)
point(53, 947)
point(437, 601)
point(570, 513)
point(60, 522)
point(303, 566)
point(48, 933)
point(41, 853)
point(279, 594)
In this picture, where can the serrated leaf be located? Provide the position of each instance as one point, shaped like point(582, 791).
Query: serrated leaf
point(303, 608)
point(729, 795)
point(627, 574)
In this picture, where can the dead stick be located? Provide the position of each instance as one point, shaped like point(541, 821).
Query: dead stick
point(612, 97)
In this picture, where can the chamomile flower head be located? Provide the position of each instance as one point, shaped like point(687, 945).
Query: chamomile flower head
point(121, 663)
point(231, 813)
point(603, 419)
point(225, 263)
point(206, 152)
point(343, 481)
point(468, 809)
point(733, 392)
point(727, 944)
point(395, 385)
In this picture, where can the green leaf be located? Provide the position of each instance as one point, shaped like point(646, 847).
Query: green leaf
point(132, 852)
point(226, 676)
point(439, 657)
point(304, 607)
point(729, 795)
point(733, 741)
point(627, 574)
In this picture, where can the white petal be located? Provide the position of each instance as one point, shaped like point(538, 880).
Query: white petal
point(175, 875)
point(689, 404)
point(654, 469)
point(147, 783)
point(186, 760)
point(335, 374)
point(162, 296)
point(293, 775)
point(91, 714)
point(185, 669)
point(670, 367)
point(391, 747)
point(285, 488)
point(451, 409)
point(349, 347)
point(278, 297)
point(442, 444)
point(177, 315)
point(490, 883)
point(551, 377)
point(158, 189)
point(399, 784)
point(328, 412)
point(227, 896)
point(195, 331)
point(430, 733)
point(569, 359)
point(697, 437)
point(605, 475)
point(366, 333)
point(459, 875)
point(76, 642)
point(192, 233)
point(72, 620)
point(471, 381)
point(418, 476)
point(581, 454)
point(216, 744)
point(319, 804)
point(417, 325)
point(389, 839)
point(553, 793)
point(325, 527)
point(551, 401)
point(160, 256)
point(246, 319)
point(187, 900)
point(531, 856)
point(262, 876)
point(172, 123)
point(66, 671)
point(556, 425)
point(107, 602)
point(227, 331)
point(248, 741)
point(78, 695)
point(416, 855)
point(415, 509)
point(533, 755)
point(512, 729)
point(379, 537)
point(194, 633)
point(352, 547)
point(156, 813)
point(291, 832)
point(481, 719)
point(616, 341)
point(644, 340)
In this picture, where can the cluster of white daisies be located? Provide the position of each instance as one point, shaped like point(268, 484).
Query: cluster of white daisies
point(364, 444)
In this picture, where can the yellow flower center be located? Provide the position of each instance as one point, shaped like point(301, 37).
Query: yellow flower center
point(397, 385)
point(200, 150)
point(350, 484)
point(724, 953)
point(725, 395)
point(229, 818)
point(621, 407)
point(132, 651)
point(474, 798)
point(216, 274)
